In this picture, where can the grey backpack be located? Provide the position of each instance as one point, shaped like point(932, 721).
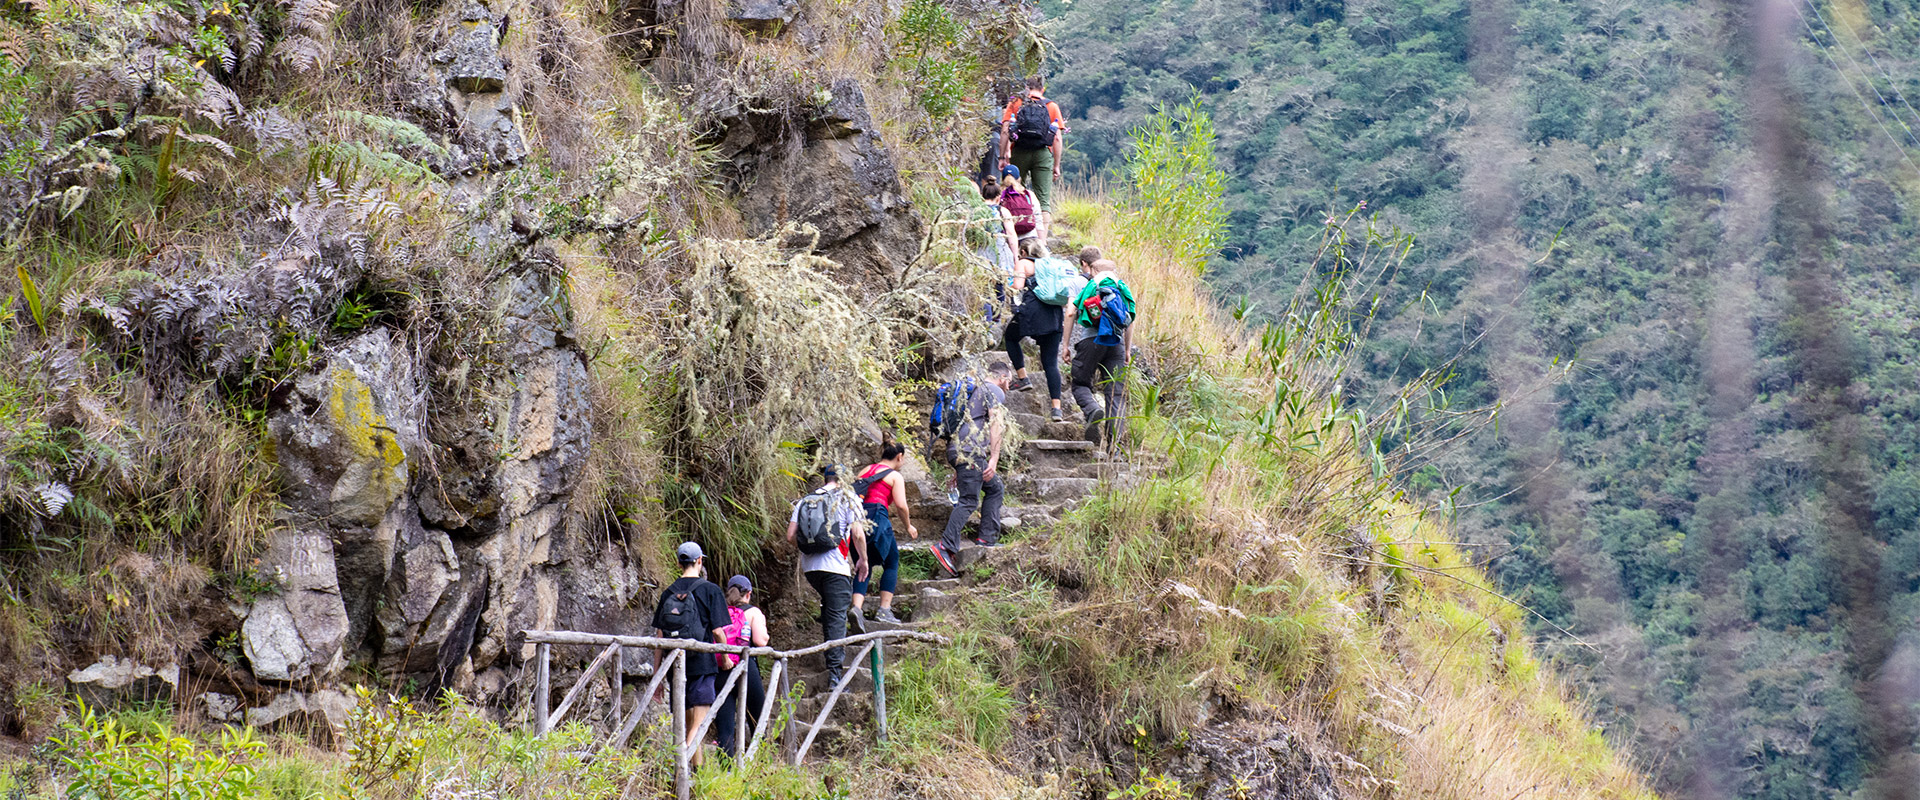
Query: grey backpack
point(817, 532)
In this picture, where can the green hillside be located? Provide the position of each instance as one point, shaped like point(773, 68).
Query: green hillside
point(1676, 242)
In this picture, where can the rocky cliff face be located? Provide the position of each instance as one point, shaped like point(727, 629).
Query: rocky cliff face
point(430, 510)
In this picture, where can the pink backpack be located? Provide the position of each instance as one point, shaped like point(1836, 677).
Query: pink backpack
point(1020, 205)
point(735, 634)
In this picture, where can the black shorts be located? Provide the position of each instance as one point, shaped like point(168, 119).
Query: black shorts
point(700, 690)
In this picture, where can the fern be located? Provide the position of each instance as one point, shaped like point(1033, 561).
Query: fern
point(54, 497)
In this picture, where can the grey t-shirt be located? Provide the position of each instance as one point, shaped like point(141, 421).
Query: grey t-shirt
point(974, 439)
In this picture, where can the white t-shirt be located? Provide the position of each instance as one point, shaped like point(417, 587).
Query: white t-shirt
point(846, 514)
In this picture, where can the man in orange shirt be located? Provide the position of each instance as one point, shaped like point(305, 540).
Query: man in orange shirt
point(1032, 137)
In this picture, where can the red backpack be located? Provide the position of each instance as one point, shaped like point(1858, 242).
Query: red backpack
point(1020, 205)
point(734, 634)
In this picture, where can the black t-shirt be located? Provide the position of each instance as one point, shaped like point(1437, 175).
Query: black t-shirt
point(710, 605)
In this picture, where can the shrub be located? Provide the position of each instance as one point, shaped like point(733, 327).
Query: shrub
point(111, 760)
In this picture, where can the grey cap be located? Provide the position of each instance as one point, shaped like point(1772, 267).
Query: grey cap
point(691, 552)
point(740, 582)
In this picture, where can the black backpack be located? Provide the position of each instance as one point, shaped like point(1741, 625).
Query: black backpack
point(1032, 125)
point(681, 613)
point(861, 486)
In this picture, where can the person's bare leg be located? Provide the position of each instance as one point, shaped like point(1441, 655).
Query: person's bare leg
point(886, 600)
point(859, 598)
point(695, 715)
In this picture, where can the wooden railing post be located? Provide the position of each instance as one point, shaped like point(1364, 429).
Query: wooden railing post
point(540, 689)
point(879, 663)
point(682, 780)
point(740, 732)
point(766, 705)
point(619, 681)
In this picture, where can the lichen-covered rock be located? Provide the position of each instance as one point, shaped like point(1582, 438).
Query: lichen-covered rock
point(473, 54)
point(1254, 760)
point(324, 710)
point(301, 632)
point(112, 681)
point(764, 17)
point(841, 180)
point(461, 93)
point(343, 441)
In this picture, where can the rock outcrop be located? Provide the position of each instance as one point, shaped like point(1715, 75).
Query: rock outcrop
point(113, 680)
point(838, 177)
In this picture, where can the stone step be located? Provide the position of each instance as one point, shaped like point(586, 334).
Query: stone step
point(1033, 401)
point(1064, 453)
point(1057, 491)
point(941, 584)
point(969, 555)
point(931, 603)
point(853, 706)
point(816, 678)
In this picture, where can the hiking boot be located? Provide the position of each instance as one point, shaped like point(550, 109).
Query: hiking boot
point(855, 622)
point(1054, 414)
point(1095, 416)
point(1020, 385)
point(886, 615)
point(946, 561)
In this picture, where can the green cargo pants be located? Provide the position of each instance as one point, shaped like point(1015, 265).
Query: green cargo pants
point(1036, 172)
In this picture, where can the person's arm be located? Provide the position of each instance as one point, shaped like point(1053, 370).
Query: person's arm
point(996, 427)
point(1006, 229)
point(793, 532)
point(1023, 269)
point(899, 497)
point(758, 619)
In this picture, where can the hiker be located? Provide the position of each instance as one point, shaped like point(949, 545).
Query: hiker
point(1102, 334)
point(826, 526)
point(989, 169)
point(1089, 255)
point(1019, 203)
point(1032, 137)
point(882, 489)
point(748, 627)
point(1042, 319)
point(974, 452)
point(991, 228)
point(693, 608)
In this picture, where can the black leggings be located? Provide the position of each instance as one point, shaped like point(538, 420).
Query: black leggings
point(1049, 356)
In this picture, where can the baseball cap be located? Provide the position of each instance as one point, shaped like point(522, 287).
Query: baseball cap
point(691, 552)
point(1010, 170)
point(740, 582)
point(830, 471)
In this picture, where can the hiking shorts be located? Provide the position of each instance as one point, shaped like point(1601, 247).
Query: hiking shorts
point(700, 690)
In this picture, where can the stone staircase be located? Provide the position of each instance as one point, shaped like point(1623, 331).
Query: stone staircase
point(1052, 471)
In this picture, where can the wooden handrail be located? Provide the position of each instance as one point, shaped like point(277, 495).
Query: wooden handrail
point(605, 639)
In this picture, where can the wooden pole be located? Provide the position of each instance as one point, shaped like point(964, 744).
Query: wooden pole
point(766, 705)
point(540, 690)
point(879, 663)
point(821, 721)
point(566, 703)
point(646, 699)
point(682, 780)
point(786, 690)
point(619, 681)
point(740, 732)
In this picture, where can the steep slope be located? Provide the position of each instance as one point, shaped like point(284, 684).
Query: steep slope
point(1703, 211)
point(356, 339)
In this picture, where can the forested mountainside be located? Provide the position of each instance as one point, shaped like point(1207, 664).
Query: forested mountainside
point(1676, 240)
point(359, 348)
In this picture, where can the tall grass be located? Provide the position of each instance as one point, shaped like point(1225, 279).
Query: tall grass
point(1271, 560)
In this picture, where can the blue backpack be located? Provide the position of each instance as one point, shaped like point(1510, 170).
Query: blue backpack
point(950, 404)
point(1114, 318)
